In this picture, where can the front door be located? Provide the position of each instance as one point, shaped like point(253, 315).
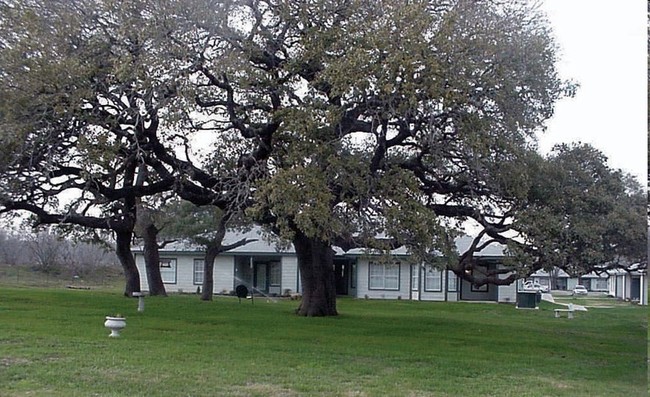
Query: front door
point(635, 289)
point(260, 277)
point(342, 276)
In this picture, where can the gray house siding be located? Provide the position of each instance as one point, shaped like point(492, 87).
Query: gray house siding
point(267, 269)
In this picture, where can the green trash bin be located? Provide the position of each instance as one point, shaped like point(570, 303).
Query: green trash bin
point(527, 300)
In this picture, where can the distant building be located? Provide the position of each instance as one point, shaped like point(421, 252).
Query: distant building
point(558, 279)
point(630, 285)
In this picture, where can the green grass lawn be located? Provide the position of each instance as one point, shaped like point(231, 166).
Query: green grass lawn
point(53, 343)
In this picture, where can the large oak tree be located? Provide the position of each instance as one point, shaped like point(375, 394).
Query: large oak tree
point(380, 118)
point(93, 109)
point(82, 85)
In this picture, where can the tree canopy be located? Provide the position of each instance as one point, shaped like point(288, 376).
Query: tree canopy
point(84, 85)
point(581, 215)
point(393, 118)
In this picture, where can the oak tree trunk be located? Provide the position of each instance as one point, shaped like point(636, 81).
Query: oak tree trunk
point(316, 264)
point(152, 261)
point(208, 272)
point(123, 252)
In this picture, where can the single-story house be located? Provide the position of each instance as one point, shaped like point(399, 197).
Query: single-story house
point(595, 281)
point(630, 284)
point(258, 264)
point(558, 279)
point(269, 270)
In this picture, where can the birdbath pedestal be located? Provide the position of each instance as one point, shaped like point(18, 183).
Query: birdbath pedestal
point(140, 296)
point(115, 324)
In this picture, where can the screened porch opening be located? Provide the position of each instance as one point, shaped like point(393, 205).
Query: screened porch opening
point(260, 274)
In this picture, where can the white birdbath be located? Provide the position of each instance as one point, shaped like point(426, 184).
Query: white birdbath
point(115, 324)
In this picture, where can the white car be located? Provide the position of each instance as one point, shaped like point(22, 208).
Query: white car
point(535, 286)
point(580, 290)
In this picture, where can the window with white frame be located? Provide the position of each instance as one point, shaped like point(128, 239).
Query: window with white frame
point(383, 276)
point(168, 270)
point(432, 279)
point(599, 284)
point(415, 277)
point(452, 281)
point(275, 274)
point(198, 271)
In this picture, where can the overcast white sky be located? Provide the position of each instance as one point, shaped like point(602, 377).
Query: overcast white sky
point(603, 48)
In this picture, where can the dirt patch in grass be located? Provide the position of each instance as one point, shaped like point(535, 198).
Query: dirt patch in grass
point(556, 384)
point(560, 385)
point(11, 361)
point(264, 389)
point(355, 393)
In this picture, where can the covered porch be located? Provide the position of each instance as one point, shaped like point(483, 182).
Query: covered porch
point(261, 274)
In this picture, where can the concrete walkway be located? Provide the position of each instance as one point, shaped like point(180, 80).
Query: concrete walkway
point(549, 298)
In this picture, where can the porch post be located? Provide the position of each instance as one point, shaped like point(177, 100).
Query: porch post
point(640, 289)
point(420, 281)
point(252, 267)
point(446, 285)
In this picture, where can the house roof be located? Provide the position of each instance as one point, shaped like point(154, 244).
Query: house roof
point(401, 251)
point(496, 250)
point(261, 246)
point(601, 274)
point(636, 269)
point(543, 273)
point(595, 274)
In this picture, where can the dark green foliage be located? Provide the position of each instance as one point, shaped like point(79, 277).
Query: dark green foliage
point(583, 215)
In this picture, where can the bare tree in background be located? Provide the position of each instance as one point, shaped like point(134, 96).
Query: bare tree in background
point(47, 249)
point(82, 258)
point(12, 250)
